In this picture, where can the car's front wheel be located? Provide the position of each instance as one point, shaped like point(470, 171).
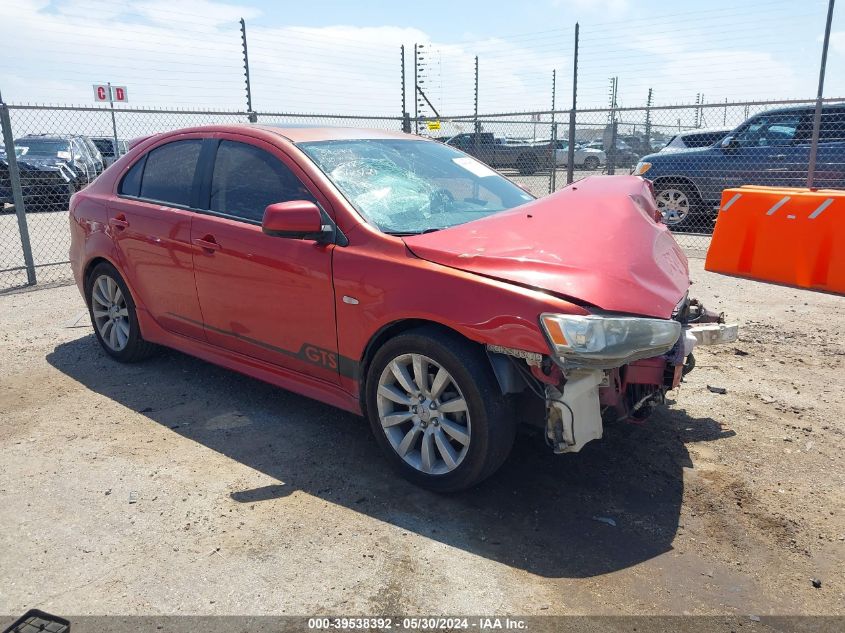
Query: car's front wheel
point(437, 411)
point(113, 315)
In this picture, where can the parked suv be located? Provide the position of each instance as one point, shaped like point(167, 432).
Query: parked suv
point(394, 277)
point(78, 153)
point(771, 148)
point(47, 178)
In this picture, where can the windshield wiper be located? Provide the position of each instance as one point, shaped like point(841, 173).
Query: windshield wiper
point(408, 233)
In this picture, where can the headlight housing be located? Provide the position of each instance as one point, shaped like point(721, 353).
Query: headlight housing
point(641, 168)
point(605, 342)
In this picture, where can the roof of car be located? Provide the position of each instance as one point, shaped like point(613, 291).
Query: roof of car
point(802, 108)
point(711, 130)
point(52, 137)
point(42, 137)
point(305, 134)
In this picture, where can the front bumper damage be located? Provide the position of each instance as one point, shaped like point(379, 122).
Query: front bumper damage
point(577, 403)
point(714, 333)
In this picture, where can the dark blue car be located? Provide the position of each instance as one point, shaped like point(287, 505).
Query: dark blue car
point(771, 148)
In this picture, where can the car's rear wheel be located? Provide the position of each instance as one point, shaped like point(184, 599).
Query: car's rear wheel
point(113, 315)
point(680, 206)
point(591, 163)
point(437, 411)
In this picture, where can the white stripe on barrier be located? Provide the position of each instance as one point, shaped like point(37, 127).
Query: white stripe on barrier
point(778, 205)
point(728, 204)
point(824, 205)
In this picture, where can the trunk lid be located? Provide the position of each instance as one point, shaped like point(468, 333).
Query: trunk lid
point(595, 241)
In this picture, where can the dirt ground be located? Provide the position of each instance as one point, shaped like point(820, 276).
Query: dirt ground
point(174, 486)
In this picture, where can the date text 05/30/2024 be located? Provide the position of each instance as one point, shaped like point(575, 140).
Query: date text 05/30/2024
point(418, 624)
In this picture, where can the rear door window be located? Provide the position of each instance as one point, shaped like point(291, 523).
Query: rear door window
point(169, 172)
point(131, 183)
point(247, 179)
point(832, 128)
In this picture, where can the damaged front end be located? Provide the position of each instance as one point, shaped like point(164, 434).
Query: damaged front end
point(608, 367)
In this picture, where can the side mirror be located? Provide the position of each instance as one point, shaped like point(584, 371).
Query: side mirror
point(729, 143)
point(296, 219)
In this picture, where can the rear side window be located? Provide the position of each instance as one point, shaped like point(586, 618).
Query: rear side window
point(131, 183)
point(832, 128)
point(169, 172)
point(247, 179)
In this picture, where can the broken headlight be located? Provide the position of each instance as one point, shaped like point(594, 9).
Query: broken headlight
point(604, 342)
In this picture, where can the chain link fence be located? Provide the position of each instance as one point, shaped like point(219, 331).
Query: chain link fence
point(689, 153)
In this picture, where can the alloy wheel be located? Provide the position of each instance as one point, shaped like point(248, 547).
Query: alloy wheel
point(674, 205)
point(111, 314)
point(423, 414)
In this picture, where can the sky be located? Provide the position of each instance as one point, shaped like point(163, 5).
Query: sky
point(344, 57)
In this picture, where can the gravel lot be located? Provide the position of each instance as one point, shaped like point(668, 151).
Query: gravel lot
point(174, 486)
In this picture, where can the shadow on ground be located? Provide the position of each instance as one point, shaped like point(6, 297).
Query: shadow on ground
point(537, 513)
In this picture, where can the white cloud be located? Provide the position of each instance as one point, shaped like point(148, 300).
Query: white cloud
point(837, 42)
point(188, 54)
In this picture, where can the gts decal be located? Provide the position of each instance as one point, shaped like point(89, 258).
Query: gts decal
point(308, 353)
point(318, 356)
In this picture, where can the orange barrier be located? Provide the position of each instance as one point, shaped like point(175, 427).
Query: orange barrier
point(783, 235)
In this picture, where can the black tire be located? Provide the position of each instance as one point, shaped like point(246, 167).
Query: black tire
point(592, 163)
point(492, 427)
point(695, 219)
point(527, 164)
point(136, 348)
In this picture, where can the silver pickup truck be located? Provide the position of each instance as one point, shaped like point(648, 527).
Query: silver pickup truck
point(500, 152)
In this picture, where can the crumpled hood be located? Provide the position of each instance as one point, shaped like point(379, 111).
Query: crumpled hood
point(595, 241)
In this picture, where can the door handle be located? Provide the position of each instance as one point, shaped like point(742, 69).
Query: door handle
point(207, 243)
point(118, 223)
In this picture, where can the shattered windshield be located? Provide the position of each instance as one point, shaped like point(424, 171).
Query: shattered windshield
point(407, 186)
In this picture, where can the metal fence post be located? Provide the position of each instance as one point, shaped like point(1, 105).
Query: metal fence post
point(416, 89)
point(17, 192)
point(817, 118)
point(570, 155)
point(113, 124)
point(251, 115)
point(553, 142)
point(406, 124)
point(476, 126)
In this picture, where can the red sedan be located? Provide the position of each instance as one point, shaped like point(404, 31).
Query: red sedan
point(394, 277)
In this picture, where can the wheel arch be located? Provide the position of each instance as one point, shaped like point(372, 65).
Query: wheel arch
point(91, 265)
point(677, 180)
point(504, 372)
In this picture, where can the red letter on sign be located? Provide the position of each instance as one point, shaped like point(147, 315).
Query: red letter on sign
point(119, 94)
point(101, 93)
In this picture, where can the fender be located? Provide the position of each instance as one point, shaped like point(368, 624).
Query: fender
point(371, 297)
